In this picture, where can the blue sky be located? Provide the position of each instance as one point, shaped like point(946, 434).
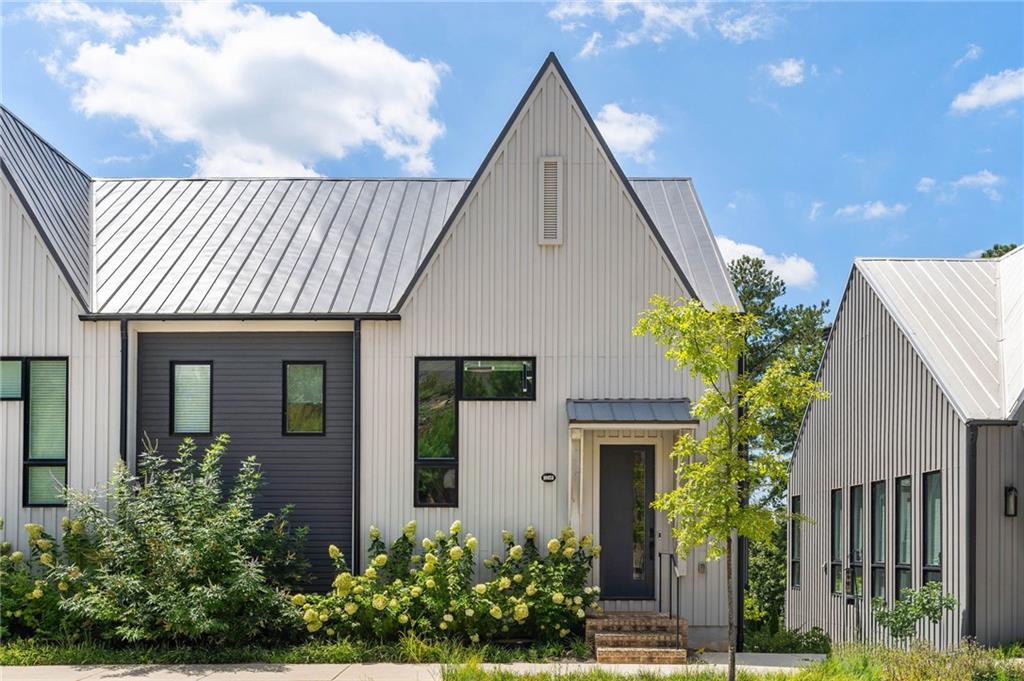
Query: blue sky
point(814, 132)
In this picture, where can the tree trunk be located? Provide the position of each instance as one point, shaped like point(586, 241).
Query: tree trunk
point(732, 608)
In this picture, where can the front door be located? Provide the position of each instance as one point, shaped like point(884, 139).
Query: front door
point(627, 521)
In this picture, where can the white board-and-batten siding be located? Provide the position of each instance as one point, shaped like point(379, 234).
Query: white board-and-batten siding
point(39, 318)
point(886, 418)
point(491, 290)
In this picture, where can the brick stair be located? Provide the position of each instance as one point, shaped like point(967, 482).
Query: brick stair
point(638, 638)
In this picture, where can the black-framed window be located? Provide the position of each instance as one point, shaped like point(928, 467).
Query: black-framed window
point(878, 539)
point(191, 398)
point(304, 398)
point(904, 512)
point(856, 541)
point(41, 383)
point(931, 532)
point(794, 543)
point(836, 571)
point(441, 383)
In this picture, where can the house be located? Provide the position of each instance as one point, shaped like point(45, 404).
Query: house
point(911, 473)
point(389, 349)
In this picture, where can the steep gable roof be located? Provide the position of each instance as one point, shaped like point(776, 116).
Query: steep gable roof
point(57, 195)
point(963, 317)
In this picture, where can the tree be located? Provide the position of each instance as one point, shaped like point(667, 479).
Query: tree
point(998, 250)
point(708, 506)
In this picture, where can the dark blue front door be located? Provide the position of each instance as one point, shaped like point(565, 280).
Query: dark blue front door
point(627, 521)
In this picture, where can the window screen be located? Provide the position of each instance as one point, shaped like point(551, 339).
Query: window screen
point(191, 398)
point(304, 398)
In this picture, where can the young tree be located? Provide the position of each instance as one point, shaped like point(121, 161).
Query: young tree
point(998, 250)
point(715, 473)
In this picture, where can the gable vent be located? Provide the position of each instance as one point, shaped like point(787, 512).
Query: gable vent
point(550, 233)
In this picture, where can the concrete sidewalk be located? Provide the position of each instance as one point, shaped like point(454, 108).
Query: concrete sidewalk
point(751, 662)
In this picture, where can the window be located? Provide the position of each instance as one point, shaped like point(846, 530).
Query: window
point(191, 398)
point(931, 540)
point(498, 379)
point(794, 543)
point(441, 383)
point(904, 579)
point(10, 379)
point(305, 392)
point(857, 541)
point(837, 541)
point(878, 539)
point(437, 433)
point(42, 383)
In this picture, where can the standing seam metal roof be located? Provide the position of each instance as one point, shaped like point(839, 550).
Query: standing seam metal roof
point(629, 411)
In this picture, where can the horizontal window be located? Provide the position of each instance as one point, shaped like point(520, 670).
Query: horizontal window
point(10, 379)
point(497, 379)
point(191, 398)
point(304, 397)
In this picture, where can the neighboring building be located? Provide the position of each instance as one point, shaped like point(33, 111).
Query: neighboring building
point(388, 349)
point(912, 471)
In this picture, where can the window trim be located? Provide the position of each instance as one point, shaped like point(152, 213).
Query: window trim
point(856, 566)
point(170, 407)
point(21, 397)
point(902, 568)
point(876, 564)
point(796, 541)
point(418, 462)
point(927, 569)
point(284, 397)
point(26, 414)
point(460, 369)
point(835, 528)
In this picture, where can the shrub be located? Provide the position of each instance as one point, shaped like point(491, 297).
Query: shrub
point(912, 608)
point(431, 594)
point(814, 640)
point(176, 559)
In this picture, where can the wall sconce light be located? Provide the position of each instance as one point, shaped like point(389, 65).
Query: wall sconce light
point(1010, 502)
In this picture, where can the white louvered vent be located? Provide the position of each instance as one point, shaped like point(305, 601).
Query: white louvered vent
point(550, 230)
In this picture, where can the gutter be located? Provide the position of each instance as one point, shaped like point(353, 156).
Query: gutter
point(104, 317)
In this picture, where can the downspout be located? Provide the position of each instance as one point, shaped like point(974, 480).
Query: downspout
point(356, 394)
point(970, 628)
point(124, 391)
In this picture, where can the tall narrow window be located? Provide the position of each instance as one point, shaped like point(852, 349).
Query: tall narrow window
point(305, 393)
point(794, 543)
point(191, 398)
point(857, 541)
point(437, 414)
point(904, 578)
point(931, 541)
point(837, 541)
point(878, 539)
point(46, 431)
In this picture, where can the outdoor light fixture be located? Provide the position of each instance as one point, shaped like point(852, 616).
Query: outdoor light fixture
point(1010, 502)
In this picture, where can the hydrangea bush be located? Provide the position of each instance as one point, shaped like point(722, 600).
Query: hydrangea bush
point(427, 588)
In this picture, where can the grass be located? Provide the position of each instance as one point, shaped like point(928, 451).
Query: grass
point(410, 649)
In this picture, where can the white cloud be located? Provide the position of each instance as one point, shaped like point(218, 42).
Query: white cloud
point(592, 47)
point(739, 27)
point(792, 269)
point(982, 178)
point(641, 21)
point(925, 184)
point(991, 90)
point(972, 53)
point(262, 93)
point(629, 134)
point(74, 14)
point(975, 253)
point(786, 73)
point(871, 210)
point(815, 211)
point(984, 181)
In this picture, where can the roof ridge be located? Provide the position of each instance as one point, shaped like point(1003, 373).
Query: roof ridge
point(261, 178)
point(46, 142)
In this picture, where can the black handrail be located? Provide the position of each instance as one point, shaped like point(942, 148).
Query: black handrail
point(673, 606)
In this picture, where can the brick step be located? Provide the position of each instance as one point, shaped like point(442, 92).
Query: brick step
point(639, 640)
point(634, 624)
point(641, 655)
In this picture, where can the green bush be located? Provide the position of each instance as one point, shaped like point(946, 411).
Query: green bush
point(813, 640)
point(913, 607)
point(175, 558)
point(432, 594)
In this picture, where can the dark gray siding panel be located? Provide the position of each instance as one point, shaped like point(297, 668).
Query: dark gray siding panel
point(313, 473)
point(1000, 616)
point(886, 418)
